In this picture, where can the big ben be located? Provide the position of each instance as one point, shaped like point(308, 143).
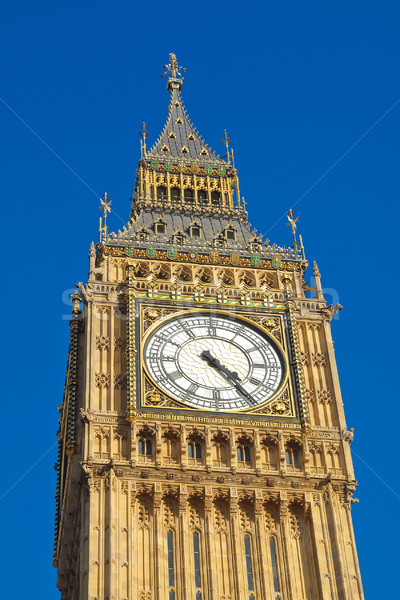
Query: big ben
point(203, 450)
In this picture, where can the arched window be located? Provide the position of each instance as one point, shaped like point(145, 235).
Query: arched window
point(272, 547)
point(197, 571)
point(175, 194)
point(292, 455)
point(215, 198)
point(171, 565)
point(219, 453)
point(145, 447)
point(171, 448)
point(269, 454)
point(243, 454)
point(161, 192)
point(188, 195)
point(249, 565)
point(194, 450)
point(202, 196)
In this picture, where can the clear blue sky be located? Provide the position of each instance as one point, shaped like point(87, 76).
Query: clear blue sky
point(296, 85)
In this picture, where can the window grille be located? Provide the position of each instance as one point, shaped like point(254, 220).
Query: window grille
point(274, 561)
point(249, 566)
point(171, 570)
point(197, 573)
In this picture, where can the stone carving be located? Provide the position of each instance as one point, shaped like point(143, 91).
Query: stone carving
point(310, 396)
point(305, 358)
point(143, 512)
point(102, 380)
point(102, 342)
point(324, 397)
point(348, 435)
point(169, 513)
point(120, 382)
point(294, 525)
point(119, 344)
point(318, 359)
point(194, 514)
point(246, 515)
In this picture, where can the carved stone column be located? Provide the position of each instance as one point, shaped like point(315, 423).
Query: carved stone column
point(336, 532)
point(158, 542)
point(321, 565)
point(209, 533)
point(112, 535)
point(184, 458)
point(261, 548)
point(207, 444)
point(286, 543)
point(282, 457)
point(130, 343)
point(233, 451)
point(182, 546)
point(257, 452)
point(317, 279)
point(133, 445)
point(158, 446)
point(235, 541)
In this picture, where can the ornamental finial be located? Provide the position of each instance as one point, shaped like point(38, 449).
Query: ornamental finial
point(106, 208)
point(226, 141)
point(174, 71)
point(143, 133)
point(293, 224)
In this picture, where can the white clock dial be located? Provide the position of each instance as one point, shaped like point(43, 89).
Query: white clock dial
point(214, 362)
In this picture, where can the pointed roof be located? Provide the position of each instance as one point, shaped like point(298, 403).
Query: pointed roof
point(180, 140)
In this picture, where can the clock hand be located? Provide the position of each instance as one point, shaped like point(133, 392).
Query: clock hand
point(232, 376)
point(214, 362)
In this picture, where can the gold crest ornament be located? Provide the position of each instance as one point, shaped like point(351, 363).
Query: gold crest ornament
point(214, 256)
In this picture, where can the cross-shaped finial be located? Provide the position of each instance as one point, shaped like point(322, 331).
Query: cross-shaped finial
point(292, 224)
point(143, 132)
point(105, 206)
point(226, 141)
point(173, 67)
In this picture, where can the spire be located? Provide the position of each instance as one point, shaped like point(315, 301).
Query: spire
point(179, 141)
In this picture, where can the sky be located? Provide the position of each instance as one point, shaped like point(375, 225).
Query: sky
point(309, 93)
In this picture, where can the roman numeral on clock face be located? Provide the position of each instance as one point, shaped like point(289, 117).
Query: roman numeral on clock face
point(175, 375)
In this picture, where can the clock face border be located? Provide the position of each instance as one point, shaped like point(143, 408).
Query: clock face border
point(168, 312)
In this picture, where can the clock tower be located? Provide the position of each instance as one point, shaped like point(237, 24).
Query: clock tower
point(203, 451)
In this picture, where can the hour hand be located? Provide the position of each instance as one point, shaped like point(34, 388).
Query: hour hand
point(214, 362)
point(232, 376)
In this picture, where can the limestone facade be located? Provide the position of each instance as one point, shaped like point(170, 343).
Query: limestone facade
point(159, 501)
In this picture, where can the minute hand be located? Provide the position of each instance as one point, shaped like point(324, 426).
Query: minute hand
point(232, 376)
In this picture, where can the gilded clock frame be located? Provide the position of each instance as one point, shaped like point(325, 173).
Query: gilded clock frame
point(164, 311)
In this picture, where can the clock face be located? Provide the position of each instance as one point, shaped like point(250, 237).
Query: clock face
point(213, 362)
